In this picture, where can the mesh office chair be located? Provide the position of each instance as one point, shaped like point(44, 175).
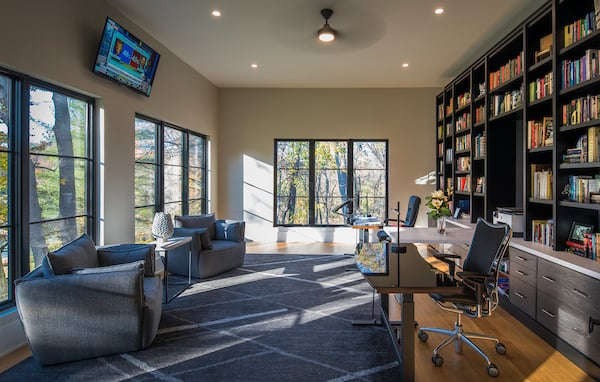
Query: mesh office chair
point(479, 296)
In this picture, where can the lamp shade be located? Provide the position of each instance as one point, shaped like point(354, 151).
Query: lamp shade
point(326, 33)
point(162, 226)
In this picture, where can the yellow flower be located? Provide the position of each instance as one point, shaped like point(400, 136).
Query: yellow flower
point(436, 203)
point(439, 194)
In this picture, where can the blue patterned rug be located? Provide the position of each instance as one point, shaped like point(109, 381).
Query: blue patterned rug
point(278, 318)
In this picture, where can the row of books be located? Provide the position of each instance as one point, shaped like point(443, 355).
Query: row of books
point(508, 101)
point(463, 122)
point(463, 164)
point(541, 181)
point(449, 187)
point(463, 142)
point(479, 114)
point(581, 110)
point(449, 128)
point(579, 29)
point(510, 70)
point(584, 189)
point(449, 155)
point(541, 87)
point(587, 148)
point(574, 72)
point(590, 248)
point(540, 133)
point(440, 131)
point(449, 108)
point(440, 149)
point(440, 111)
point(480, 185)
point(463, 100)
point(463, 183)
point(542, 231)
point(479, 143)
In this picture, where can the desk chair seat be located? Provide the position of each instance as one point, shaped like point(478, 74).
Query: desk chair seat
point(479, 296)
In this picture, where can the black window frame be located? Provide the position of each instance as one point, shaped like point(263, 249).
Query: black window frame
point(312, 172)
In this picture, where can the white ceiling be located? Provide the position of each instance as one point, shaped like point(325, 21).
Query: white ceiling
point(375, 38)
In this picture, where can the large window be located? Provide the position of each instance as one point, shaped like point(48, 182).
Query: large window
point(47, 172)
point(170, 173)
point(312, 177)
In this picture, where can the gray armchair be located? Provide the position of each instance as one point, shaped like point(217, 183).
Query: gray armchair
point(217, 245)
point(85, 302)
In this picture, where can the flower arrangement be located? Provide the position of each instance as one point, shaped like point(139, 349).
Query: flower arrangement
point(438, 204)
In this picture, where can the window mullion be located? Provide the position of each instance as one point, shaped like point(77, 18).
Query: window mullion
point(311, 182)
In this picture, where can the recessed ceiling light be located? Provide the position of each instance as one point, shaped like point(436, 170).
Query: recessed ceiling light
point(405, 65)
point(216, 13)
point(439, 11)
point(254, 66)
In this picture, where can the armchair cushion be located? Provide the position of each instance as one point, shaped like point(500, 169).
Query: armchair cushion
point(112, 268)
point(200, 237)
point(79, 253)
point(198, 221)
point(128, 253)
point(230, 230)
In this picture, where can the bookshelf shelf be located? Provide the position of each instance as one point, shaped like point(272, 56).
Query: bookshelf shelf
point(479, 98)
point(546, 62)
point(461, 152)
point(541, 201)
point(594, 37)
point(587, 206)
point(582, 85)
point(579, 126)
point(506, 114)
point(463, 131)
point(574, 166)
point(544, 100)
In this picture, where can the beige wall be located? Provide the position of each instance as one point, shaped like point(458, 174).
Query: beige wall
point(250, 119)
point(57, 41)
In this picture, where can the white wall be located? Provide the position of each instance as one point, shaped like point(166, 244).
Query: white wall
point(250, 119)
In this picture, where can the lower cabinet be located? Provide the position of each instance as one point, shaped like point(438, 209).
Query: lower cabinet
point(523, 268)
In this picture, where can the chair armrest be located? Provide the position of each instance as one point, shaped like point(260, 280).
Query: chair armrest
point(448, 258)
point(476, 282)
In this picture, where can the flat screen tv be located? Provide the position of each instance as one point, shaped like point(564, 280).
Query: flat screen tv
point(126, 59)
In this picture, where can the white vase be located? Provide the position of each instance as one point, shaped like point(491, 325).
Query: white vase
point(162, 226)
point(441, 225)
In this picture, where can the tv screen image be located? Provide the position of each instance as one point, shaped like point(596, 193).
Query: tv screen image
point(125, 58)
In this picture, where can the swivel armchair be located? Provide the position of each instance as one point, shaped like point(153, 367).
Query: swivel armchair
point(479, 296)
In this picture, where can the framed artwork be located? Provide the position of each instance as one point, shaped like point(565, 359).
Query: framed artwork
point(578, 230)
point(548, 131)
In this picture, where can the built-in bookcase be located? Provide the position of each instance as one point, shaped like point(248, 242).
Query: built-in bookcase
point(525, 107)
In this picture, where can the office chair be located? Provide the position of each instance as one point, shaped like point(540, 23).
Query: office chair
point(479, 297)
point(414, 202)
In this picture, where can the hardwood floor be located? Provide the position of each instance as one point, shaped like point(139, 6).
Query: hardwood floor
point(528, 357)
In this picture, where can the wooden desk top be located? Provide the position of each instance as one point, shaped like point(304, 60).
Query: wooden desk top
point(431, 235)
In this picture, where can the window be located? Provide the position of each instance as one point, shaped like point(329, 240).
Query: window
point(47, 188)
point(312, 177)
point(170, 173)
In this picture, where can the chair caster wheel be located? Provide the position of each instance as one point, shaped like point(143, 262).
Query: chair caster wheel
point(438, 360)
point(500, 348)
point(492, 370)
point(423, 336)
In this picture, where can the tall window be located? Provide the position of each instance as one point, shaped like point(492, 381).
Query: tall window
point(47, 190)
point(170, 173)
point(312, 177)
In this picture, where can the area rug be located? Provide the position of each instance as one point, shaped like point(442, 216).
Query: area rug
point(277, 318)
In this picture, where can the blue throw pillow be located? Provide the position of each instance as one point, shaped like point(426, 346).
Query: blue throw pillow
point(111, 268)
point(230, 230)
point(80, 253)
point(198, 221)
point(127, 253)
point(200, 237)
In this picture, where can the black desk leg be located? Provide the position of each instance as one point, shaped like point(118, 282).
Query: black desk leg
point(408, 337)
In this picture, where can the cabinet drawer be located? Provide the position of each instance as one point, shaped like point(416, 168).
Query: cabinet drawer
point(573, 288)
point(518, 271)
point(569, 324)
point(522, 259)
point(522, 295)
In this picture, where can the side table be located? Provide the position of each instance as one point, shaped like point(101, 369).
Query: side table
point(163, 247)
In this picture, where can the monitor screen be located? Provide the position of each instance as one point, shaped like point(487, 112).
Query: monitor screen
point(126, 59)
point(372, 258)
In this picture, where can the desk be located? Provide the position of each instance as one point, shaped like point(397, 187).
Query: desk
point(164, 247)
point(364, 230)
point(410, 273)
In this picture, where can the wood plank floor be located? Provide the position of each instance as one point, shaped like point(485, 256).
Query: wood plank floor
point(528, 357)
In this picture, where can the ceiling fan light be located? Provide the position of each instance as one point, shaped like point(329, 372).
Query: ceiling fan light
point(326, 34)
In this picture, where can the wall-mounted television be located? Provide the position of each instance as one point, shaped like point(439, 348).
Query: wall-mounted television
point(126, 59)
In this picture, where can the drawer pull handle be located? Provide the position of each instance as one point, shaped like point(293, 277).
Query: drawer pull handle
point(521, 258)
point(519, 295)
point(579, 331)
point(548, 313)
point(582, 294)
point(521, 273)
point(548, 279)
